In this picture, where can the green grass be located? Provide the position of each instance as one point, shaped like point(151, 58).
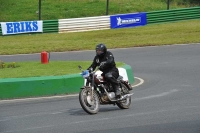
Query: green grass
point(150, 35)
point(53, 68)
point(22, 10)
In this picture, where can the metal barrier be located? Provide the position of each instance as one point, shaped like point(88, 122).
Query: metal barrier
point(173, 15)
point(103, 22)
point(84, 24)
point(0, 30)
point(50, 26)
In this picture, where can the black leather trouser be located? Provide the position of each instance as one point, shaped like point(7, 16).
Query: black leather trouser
point(111, 77)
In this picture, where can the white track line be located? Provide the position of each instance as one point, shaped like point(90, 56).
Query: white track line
point(156, 96)
point(100, 120)
point(140, 83)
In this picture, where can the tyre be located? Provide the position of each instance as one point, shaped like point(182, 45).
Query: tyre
point(124, 104)
point(89, 105)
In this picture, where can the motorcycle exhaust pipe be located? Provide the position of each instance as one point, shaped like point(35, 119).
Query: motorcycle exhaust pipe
point(122, 97)
point(125, 96)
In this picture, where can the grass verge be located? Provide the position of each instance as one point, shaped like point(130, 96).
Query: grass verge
point(158, 34)
point(53, 68)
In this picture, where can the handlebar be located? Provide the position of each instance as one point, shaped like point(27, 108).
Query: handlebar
point(85, 73)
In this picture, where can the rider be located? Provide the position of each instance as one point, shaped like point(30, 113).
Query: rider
point(105, 60)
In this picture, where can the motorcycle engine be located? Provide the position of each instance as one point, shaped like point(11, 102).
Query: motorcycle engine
point(105, 98)
point(111, 95)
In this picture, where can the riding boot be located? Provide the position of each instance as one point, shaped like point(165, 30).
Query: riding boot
point(117, 91)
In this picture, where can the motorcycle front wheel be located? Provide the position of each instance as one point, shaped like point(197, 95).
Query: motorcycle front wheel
point(124, 104)
point(90, 104)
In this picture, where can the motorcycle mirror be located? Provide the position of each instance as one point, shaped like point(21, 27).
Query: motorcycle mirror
point(79, 67)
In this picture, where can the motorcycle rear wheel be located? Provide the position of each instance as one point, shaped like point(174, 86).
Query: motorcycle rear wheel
point(124, 104)
point(89, 104)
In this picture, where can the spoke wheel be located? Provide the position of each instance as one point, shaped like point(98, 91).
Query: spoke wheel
point(124, 104)
point(90, 104)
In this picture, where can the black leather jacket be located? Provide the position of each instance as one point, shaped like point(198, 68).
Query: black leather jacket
point(108, 58)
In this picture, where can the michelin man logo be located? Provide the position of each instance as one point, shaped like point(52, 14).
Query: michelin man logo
point(128, 20)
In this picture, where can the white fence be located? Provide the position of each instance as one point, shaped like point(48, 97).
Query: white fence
point(84, 24)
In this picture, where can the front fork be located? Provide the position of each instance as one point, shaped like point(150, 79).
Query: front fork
point(92, 91)
point(90, 88)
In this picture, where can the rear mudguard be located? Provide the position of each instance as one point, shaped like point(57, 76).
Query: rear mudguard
point(127, 85)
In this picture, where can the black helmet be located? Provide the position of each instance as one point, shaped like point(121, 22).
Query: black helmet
point(102, 48)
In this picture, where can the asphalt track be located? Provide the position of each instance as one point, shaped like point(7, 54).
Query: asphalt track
point(167, 102)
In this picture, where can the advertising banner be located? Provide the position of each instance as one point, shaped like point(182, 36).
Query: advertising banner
point(21, 27)
point(128, 20)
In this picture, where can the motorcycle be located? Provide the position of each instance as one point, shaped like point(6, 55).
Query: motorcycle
point(98, 91)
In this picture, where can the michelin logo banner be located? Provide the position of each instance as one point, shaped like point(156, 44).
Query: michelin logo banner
point(128, 20)
point(21, 27)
